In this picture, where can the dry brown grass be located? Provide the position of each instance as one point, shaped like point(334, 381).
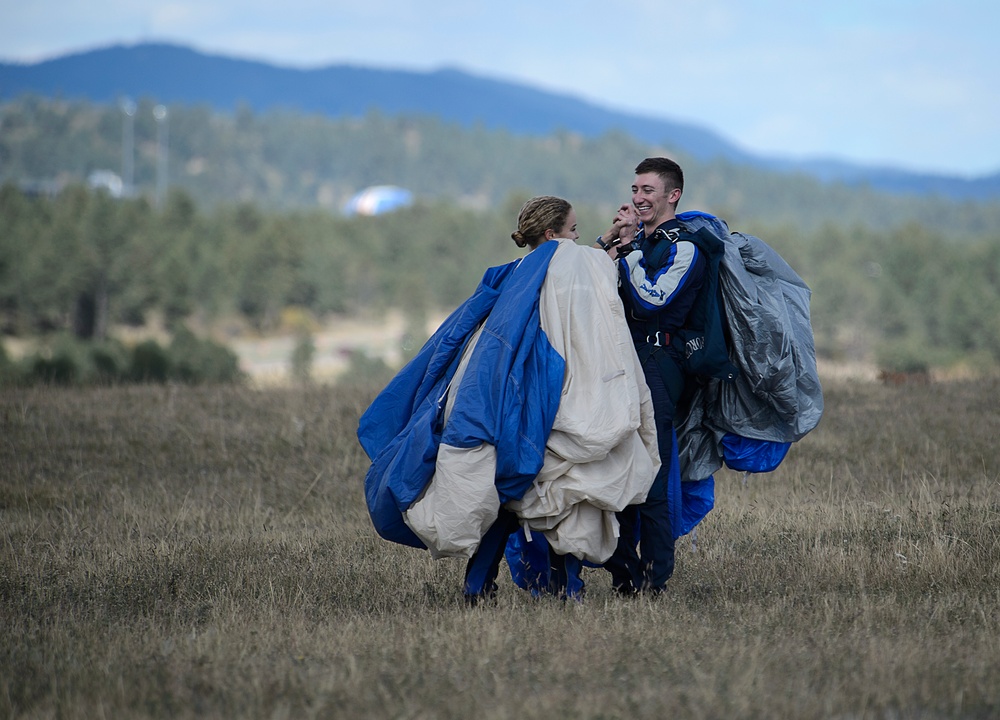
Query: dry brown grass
point(179, 552)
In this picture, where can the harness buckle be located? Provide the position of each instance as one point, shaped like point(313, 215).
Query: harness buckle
point(659, 338)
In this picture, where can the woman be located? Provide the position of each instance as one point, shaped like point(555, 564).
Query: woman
point(545, 421)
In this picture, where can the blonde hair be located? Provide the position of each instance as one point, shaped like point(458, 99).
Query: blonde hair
point(539, 214)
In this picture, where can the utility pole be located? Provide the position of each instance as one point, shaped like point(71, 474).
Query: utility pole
point(160, 113)
point(128, 145)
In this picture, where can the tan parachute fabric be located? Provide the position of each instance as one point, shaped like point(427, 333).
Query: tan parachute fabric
point(601, 454)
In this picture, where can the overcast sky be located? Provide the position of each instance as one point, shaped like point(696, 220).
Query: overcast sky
point(908, 83)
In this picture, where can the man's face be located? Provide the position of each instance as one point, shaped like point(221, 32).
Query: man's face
point(653, 202)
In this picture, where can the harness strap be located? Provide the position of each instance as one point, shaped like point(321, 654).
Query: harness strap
point(670, 370)
point(655, 249)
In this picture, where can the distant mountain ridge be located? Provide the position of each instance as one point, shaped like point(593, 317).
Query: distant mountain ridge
point(175, 74)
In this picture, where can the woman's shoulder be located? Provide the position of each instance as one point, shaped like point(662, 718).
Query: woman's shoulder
point(572, 258)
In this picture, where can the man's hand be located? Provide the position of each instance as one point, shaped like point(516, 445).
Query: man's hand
point(626, 221)
point(622, 221)
point(622, 230)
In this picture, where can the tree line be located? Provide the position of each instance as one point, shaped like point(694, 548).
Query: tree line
point(284, 160)
point(82, 262)
point(252, 226)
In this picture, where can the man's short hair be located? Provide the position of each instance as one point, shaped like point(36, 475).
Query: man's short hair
point(669, 171)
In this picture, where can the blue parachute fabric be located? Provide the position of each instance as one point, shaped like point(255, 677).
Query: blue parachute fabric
point(574, 580)
point(694, 217)
point(393, 408)
point(689, 501)
point(752, 455)
point(699, 499)
point(527, 555)
point(510, 392)
point(398, 475)
point(675, 494)
point(401, 430)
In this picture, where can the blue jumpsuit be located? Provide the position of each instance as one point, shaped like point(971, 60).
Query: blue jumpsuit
point(657, 302)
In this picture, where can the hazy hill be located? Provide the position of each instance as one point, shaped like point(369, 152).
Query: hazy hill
point(173, 74)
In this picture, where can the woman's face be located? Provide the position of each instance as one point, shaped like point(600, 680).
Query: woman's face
point(569, 229)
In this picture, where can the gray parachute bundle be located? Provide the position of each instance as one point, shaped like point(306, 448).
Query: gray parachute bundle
point(776, 397)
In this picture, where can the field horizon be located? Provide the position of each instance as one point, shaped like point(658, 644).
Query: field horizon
point(179, 552)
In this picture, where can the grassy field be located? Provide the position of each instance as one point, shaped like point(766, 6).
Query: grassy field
point(174, 552)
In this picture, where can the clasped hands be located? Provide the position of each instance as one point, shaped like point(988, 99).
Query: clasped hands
point(622, 230)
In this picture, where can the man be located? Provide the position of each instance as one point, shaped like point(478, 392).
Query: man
point(660, 274)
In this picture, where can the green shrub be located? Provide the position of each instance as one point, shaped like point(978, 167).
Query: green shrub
point(109, 362)
point(196, 360)
point(149, 363)
point(67, 361)
point(910, 355)
point(62, 362)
